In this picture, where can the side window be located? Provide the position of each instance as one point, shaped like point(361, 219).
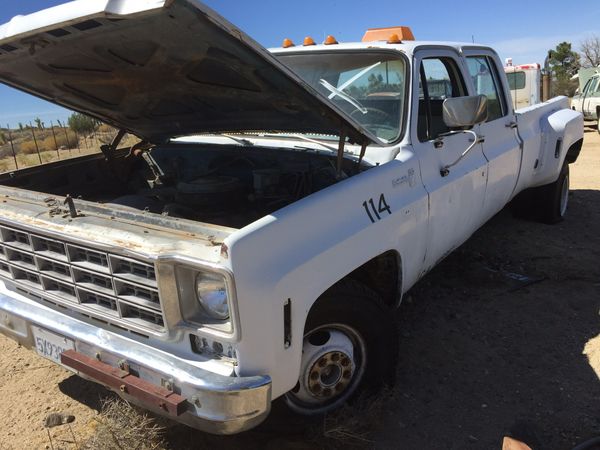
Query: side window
point(486, 81)
point(597, 86)
point(586, 87)
point(439, 79)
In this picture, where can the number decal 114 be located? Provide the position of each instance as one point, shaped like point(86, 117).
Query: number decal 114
point(375, 213)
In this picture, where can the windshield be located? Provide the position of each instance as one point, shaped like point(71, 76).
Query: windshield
point(370, 87)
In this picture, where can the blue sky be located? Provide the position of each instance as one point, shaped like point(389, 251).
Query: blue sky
point(523, 30)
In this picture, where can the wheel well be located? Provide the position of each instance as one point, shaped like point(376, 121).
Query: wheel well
point(573, 152)
point(383, 275)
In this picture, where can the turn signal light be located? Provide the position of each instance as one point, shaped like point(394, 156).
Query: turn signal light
point(308, 41)
point(287, 43)
point(330, 40)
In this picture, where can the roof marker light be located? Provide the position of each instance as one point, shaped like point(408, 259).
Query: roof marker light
point(394, 39)
point(330, 40)
point(382, 34)
point(287, 43)
point(308, 41)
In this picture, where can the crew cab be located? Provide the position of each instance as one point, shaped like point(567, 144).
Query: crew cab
point(253, 244)
point(587, 101)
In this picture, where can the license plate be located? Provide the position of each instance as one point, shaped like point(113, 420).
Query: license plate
point(51, 345)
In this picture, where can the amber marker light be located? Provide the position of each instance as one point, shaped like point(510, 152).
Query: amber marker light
point(287, 43)
point(394, 39)
point(330, 40)
point(308, 41)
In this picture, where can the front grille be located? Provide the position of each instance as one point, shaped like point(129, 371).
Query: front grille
point(101, 285)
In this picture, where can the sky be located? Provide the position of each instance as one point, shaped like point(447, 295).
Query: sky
point(521, 29)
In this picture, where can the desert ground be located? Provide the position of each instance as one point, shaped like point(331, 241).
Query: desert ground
point(502, 338)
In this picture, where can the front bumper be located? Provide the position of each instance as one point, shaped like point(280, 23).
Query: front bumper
point(215, 403)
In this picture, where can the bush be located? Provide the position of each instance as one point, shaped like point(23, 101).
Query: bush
point(46, 144)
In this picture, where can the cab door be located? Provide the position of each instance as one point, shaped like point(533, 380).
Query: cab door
point(456, 197)
point(500, 144)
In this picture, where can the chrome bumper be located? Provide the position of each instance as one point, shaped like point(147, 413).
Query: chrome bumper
point(215, 403)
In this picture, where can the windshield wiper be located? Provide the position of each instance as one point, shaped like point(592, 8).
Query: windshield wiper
point(343, 95)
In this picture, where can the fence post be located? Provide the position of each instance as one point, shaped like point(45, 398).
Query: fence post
point(35, 142)
point(12, 146)
point(67, 136)
point(77, 140)
point(55, 142)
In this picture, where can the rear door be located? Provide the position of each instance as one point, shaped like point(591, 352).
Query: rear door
point(500, 146)
point(455, 200)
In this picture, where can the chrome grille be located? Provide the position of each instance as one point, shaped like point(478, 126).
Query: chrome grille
point(111, 288)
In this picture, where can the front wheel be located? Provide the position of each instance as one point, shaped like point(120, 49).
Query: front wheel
point(350, 344)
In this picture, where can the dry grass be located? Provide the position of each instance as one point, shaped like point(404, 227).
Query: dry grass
point(121, 426)
point(353, 425)
point(7, 164)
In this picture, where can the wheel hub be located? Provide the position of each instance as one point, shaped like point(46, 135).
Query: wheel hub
point(330, 374)
point(328, 369)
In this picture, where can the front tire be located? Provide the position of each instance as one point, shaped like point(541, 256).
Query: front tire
point(350, 344)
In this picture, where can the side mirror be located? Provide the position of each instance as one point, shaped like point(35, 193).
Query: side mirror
point(465, 112)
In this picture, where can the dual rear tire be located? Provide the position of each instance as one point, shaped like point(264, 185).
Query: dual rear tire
point(547, 204)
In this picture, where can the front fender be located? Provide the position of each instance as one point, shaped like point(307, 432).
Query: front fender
point(300, 251)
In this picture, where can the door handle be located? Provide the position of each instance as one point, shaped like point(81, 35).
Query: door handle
point(445, 171)
point(511, 125)
point(438, 143)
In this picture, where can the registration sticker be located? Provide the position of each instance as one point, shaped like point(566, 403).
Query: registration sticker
point(51, 345)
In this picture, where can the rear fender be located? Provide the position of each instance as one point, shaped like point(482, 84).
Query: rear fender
point(561, 131)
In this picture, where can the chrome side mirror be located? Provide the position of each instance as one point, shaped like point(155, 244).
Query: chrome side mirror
point(465, 112)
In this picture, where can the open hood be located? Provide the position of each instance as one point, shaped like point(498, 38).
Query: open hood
point(160, 69)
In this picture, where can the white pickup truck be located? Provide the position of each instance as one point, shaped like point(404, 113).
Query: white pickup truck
point(253, 245)
point(587, 101)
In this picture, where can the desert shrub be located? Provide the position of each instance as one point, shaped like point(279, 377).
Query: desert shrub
point(104, 128)
point(46, 142)
point(122, 426)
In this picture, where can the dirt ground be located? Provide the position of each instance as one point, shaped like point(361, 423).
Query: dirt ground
point(502, 338)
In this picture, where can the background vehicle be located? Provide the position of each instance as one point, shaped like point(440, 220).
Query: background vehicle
point(255, 243)
point(525, 84)
point(587, 100)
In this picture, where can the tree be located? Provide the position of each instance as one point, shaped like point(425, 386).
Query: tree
point(564, 64)
point(20, 126)
point(590, 49)
point(38, 123)
point(80, 123)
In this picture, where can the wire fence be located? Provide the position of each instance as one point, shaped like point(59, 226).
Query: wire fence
point(33, 145)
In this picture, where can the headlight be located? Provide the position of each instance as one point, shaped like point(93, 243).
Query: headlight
point(211, 292)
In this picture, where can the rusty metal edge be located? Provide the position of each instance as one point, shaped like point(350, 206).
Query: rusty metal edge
point(150, 394)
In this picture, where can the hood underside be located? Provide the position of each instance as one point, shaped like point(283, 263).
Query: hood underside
point(160, 69)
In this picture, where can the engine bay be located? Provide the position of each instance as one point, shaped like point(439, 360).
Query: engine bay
point(231, 187)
